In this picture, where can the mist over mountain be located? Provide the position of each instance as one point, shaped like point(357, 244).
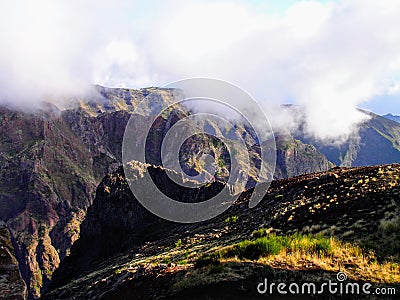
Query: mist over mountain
point(54, 159)
point(53, 50)
point(373, 142)
point(80, 78)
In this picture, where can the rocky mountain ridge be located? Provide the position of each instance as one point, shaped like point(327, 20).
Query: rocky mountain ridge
point(358, 205)
point(52, 161)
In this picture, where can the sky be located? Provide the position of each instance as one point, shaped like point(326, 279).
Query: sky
point(328, 56)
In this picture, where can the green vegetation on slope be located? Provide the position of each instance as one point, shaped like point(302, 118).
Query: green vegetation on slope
point(299, 250)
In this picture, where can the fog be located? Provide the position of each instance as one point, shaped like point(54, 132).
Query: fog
point(328, 57)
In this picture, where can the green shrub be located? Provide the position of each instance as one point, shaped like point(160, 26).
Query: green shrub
point(232, 219)
point(178, 243)
point(166, 260)
point(259, 233)
point(117, 271)
point(221, 163)
point(253, 250)
point(322, 247)
point(308, 244)
point(390, 226)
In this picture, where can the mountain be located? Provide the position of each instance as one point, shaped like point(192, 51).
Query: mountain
point(295, 157)
point(392, 117)
point(46, 185)
point(306, 229)
point(376, 141)
point(52, 160)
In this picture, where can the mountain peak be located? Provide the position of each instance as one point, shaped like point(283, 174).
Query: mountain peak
point(392, 117)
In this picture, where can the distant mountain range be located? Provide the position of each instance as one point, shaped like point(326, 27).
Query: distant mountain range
point(392, 117)
point(53, 160)
point(376, 142)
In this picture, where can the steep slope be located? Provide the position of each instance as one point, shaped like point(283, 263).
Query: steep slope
point(296, 158)
point(46, 185)
point(12, 286)
point(355, 205)
point(377, 141)
point(123, 224)
point(52, 160)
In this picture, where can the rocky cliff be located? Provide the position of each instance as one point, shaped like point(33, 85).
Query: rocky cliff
point(51, 161)
point(46, 185)
point(348, 217)
point(295, 158)
point(12, 286)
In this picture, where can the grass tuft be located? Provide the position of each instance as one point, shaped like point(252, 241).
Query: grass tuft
point(232, 219)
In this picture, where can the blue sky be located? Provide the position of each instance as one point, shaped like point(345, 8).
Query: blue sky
point(383, 104)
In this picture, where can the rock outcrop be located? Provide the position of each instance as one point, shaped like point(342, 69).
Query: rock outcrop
point(296, 158)
point(12, 286)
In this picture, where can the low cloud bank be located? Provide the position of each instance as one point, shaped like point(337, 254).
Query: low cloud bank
point(327, 57)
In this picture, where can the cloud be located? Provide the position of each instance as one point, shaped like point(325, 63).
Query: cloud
point(47, 47)
point(329, 57)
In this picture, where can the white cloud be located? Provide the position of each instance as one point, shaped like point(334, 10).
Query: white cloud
point(394, 89)
point(328, 57)
point(47, 46)
point(120, 64)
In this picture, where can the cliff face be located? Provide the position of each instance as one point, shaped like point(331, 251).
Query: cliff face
point(51, 162)
point(296, 158)
point(12, 286)
point(46, 185)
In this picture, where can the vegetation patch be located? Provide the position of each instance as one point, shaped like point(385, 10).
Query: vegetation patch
point(216, 269)
point(268, 245)
point(232, 219)
point(178, 243)
point(302, 251)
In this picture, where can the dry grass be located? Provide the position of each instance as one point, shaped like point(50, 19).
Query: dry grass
point(345, 257)
point(306, 252)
